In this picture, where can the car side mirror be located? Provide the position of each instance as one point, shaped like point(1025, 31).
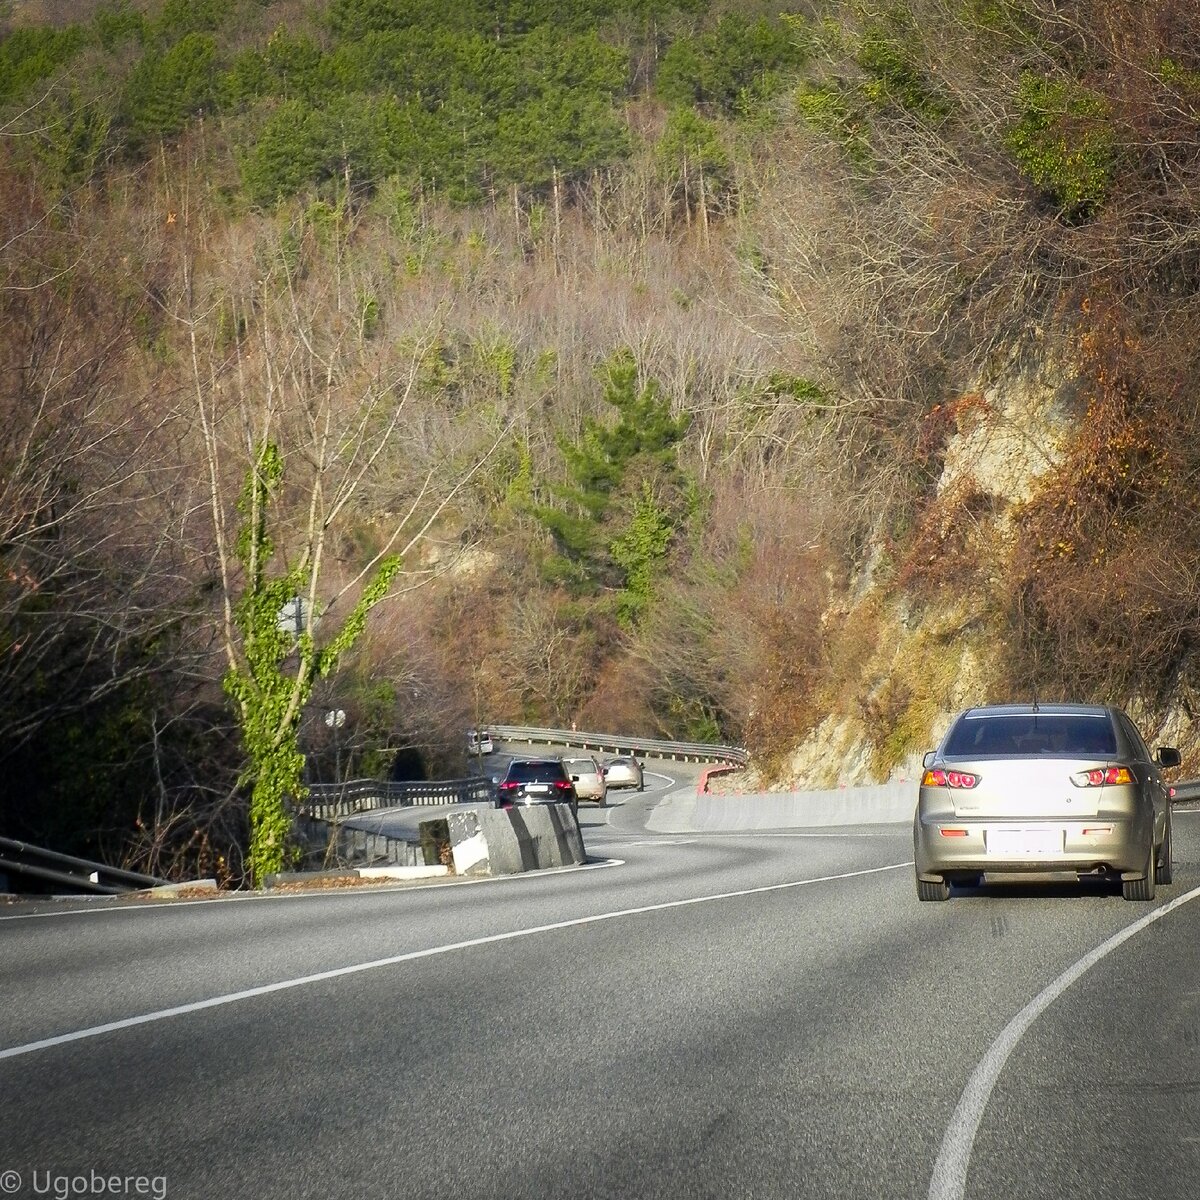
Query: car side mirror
point(1168, 756)
point(927, 759)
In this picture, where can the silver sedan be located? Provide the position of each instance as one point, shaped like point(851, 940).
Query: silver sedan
point(1046, 788)
point(624, 772)
point(588, 779)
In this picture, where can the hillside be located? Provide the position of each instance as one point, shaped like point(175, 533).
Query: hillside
point(787, 377)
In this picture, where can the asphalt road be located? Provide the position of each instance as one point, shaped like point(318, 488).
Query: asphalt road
point(752, 1015)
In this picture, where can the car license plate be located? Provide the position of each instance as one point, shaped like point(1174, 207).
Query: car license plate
point(1020, 842)
point(540, 788)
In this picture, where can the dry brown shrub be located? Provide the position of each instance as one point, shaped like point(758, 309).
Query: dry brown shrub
point(950, 548)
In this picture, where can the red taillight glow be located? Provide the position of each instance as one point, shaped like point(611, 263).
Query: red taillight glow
point(508, 786)
point(936, 777)
point(1102, 777)
point(563, 785)
point(953, 833)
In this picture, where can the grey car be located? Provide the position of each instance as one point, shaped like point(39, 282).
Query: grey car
point(588, 779)
point(1022, 788)
point(624, 772)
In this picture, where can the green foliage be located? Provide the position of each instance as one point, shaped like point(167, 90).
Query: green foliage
point(559, 131)
point(277, 669)
point(72, 138)
point(602, 533)
point(168, 87)
point(30, 54)
point(640, 551)
point(734, 67)
point(688, 139)
point(888, 53)
point(178, 18)
point(368, 315)
point(118, 23)
point(1064, 143)
point(826, 108)
point(501, 19)
point(495, 355)
point(1175, 75)
point(361, 138)
point(288, 67)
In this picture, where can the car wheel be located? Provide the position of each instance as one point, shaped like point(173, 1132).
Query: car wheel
point(940, 890)
point(1141, 889)
point(1164, 872)
point(602, 802)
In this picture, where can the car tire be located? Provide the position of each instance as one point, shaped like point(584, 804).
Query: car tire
point(602, 802)
point(1164, 872)
point(939, 890)
point(1141, 889)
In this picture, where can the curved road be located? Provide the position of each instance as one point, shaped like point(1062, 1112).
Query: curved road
point(750, 1015)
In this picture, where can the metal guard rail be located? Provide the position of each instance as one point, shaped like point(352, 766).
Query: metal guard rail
point(34, 862)
point(616, 743)
point(332, 801)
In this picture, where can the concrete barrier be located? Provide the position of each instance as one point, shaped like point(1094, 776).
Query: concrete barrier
point(686, 811)
point(505, 841)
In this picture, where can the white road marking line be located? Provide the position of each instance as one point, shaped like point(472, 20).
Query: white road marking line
point(949, 1179)
point(661, 842)
point(411, 956)
point(165, 905)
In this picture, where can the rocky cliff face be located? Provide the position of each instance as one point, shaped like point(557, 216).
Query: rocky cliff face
point(921, 660)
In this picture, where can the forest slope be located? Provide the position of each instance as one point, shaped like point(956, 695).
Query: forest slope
point(787, 377)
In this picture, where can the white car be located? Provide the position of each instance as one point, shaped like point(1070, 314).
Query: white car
point(588, 779)
point(479, 742)
point(624, 772)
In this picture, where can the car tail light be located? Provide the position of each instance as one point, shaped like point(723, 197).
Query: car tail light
point(953, 832)
point(563, 785)
point(1093, 830)
point(1102, 777)
point(936, 777)
point(509, 785)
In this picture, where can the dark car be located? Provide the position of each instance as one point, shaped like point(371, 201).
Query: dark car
point(1044, 788)
point(536, 781)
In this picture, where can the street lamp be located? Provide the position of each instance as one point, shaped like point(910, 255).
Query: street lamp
point(335, 718)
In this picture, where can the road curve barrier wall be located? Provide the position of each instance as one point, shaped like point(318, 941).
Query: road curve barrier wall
point(884, 804)
point(507, 841)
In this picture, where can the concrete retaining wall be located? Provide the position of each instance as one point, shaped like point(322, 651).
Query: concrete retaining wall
point(688, 812)
point(504, 841)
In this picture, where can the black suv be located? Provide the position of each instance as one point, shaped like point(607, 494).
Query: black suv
point(536, 781)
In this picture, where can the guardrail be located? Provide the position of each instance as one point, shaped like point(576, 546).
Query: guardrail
point(332, 801)
point(22, 860)
point(1185, 790)
point(616, 743)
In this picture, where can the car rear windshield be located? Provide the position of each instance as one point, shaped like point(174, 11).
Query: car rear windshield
point(580, 766)
point(1070, 735)
point(536, 772)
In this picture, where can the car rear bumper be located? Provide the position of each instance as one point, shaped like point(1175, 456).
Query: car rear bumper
point(1103, 844)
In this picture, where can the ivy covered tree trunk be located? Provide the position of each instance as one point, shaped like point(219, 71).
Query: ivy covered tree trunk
point(272, 679)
